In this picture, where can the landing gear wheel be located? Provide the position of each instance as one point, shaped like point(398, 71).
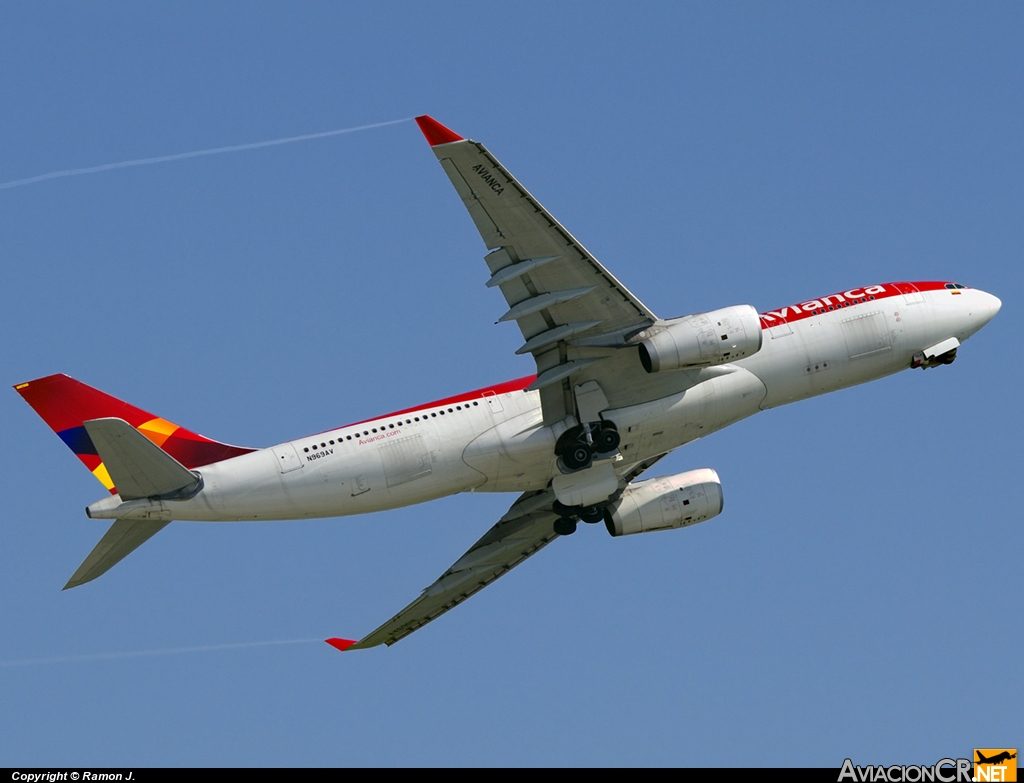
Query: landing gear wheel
point(607, 440)
point(578, 456)
point(592, 515)
point(565, 526)
point(563, 510)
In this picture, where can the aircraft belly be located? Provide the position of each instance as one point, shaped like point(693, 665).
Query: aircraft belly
point(371, 478)
point(516, 455)
point(656, 427)
point(247, 487)
point(830, 353)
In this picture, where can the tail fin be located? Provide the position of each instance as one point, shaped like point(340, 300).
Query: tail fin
point(66, 404)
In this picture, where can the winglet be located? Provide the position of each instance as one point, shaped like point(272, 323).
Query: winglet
point(435, 132)
point(340, 644)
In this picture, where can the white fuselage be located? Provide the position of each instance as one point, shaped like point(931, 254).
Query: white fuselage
point(497, 442)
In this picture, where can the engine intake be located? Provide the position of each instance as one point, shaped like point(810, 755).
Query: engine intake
point(666, 503)
point(703, 340)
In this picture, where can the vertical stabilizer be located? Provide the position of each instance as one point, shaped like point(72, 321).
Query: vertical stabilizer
point(66, 404)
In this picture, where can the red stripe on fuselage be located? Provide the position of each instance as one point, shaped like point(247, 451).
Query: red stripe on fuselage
point(502, 388)
point(842, 299)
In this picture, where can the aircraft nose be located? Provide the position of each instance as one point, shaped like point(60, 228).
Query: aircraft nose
point(990, 305)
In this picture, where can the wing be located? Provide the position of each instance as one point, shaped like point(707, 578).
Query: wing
point(572, 311)
point(523, 531)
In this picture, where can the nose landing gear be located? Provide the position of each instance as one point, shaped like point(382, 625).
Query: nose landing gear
point(924, 362)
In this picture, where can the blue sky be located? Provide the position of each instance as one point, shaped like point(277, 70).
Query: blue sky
point(856, 597)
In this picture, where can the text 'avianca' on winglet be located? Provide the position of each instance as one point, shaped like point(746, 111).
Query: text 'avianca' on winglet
point(435, 132)
point(341, 644)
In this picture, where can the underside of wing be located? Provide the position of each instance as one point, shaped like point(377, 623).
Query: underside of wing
point(527, 528)
point(522, 532)
point(572, 311)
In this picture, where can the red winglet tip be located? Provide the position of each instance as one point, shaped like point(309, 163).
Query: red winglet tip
point(341, 644)
point(435, 132)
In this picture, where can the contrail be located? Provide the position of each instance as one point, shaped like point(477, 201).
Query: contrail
point(17, 183)
point(144, 653)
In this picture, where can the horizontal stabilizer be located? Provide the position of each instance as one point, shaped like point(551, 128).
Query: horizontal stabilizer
point(123, 538)
point(137, 466)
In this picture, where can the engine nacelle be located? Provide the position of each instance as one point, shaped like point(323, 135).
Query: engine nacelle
point(665, 503)
point(703, 340)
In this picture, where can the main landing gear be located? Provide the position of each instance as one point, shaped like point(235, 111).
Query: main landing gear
point(565, 525)
point(576, 449)
point(580, 445)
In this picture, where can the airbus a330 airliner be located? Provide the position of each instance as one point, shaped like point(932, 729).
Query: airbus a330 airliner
point(616, 389)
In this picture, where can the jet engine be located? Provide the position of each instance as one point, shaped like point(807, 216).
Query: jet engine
point(665, 503)
point(703, 340)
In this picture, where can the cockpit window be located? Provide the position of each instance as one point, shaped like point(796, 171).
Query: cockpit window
point(954, 286)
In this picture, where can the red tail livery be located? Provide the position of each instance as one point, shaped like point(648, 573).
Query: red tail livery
point(65, 404)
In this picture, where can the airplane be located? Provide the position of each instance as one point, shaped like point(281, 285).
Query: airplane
point(996, 759)
point(616, 389)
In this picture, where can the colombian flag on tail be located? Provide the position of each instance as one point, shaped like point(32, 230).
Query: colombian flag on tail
point(65, 404)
